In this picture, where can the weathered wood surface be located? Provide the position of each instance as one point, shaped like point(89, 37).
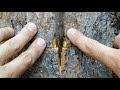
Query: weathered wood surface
point(96, 25)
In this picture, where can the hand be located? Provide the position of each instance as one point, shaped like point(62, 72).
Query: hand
point(16, 67)
point(106, 55)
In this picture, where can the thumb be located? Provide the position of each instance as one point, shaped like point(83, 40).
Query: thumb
point(75, 36)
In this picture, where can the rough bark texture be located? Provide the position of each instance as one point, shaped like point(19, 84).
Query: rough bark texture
point(96, 25)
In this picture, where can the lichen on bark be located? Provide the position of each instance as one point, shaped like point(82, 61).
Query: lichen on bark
point(95, 25)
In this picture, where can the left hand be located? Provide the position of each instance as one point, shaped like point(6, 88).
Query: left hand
point(16, 67)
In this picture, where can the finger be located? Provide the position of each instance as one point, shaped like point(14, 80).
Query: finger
point(2, 42)
point(92, 48)
point(14, 45)
point(19, 65)
point(6, 33)
point(117, 41)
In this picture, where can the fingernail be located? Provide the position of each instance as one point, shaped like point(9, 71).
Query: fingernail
point(71, 31)
point(41, 42)
point(32, 27)
point(11, 31)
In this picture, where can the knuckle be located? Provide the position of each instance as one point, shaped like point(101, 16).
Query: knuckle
point(10, 75)
point(5, 73)
point(28, 60)
point(34, 49)
point(117, 38)
point(15, 45)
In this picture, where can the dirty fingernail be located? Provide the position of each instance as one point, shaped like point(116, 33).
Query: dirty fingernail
point(71, 31)
point(11, 31)
point(41, 42)
point(32, 27)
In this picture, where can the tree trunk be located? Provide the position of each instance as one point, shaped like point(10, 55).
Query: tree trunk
point(76, 64)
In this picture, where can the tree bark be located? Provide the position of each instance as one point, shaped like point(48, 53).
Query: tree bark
point(76, 64)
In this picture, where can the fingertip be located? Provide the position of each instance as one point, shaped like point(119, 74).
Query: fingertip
point(11, 30)
point(71, 32)
point(32, 27)
point(75, 36)
point(41, 42)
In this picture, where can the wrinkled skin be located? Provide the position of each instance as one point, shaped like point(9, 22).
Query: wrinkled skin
point(15, 68)
point(106, 55)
